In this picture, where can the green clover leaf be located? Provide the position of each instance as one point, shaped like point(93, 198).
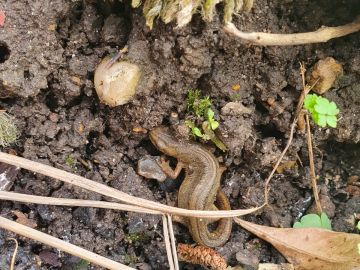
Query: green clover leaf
point(323, 106)
point(310, 102)
point(322, 111)
point(314, 221)
point(331, 121)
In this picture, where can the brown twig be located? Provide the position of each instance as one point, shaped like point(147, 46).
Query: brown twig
point(12, 264)
point(267, 182)
point(62, 245)
point(312, 166)
point(323, 34)
point(305, 91)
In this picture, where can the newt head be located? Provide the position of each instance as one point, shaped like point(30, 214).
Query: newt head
point(163, 140)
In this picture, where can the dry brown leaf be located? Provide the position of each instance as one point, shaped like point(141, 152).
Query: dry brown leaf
point(22, 219)
point(311, 248)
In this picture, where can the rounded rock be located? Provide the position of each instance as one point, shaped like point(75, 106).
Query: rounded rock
point(116, 83)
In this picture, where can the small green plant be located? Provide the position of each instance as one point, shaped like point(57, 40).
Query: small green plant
point(322, 111)
point(197, 104)
point(358, 225)
point(201, 110)
point(8, 131)
point(82, 265)
point(314, 221)
point(69, 160)
point(136, 237)
point(235, 97)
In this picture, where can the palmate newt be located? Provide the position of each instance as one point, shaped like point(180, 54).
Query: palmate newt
point(200, 189)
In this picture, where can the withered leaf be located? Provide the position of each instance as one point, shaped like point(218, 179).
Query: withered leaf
point(311, 248)
point(23, 219)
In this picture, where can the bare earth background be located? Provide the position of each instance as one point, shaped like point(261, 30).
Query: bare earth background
point(48, 53)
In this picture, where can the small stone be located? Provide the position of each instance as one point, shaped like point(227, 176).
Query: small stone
point(247, 258)
point(326, 204)
point(54, 117)
point(324, 73)
point(116, 83)
point(235, 108)
point(149, 167)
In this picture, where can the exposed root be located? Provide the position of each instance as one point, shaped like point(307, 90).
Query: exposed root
point(323, 34)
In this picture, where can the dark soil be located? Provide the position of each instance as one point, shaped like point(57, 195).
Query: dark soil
point(48, 53)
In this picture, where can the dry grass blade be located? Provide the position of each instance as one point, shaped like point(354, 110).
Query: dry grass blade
point(12, 264)
point(321, 35)
point(114, 193)
point(167, 243)
point(172, 240)
point(311, 248)
point(17, 197)
point(312, 166)
point(62, 245)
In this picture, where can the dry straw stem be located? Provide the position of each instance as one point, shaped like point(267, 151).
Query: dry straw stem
point(62, 245)
point(172, 239)
point(18, 197)
point(323, 34)
point(312, 166)
point(169, 254)
point(114, 193)
point(12, 264)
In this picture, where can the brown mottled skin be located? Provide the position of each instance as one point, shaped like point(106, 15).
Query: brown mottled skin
point(200, 188)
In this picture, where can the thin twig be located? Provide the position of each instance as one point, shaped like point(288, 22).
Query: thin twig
point(312, 166)
point(117, 194)
point(173, 244)
point(305, 91)
point(323, 34)
point(12, 264)
point(18, 197)
point(62, 245)
point(167, 243)
point(267, 182)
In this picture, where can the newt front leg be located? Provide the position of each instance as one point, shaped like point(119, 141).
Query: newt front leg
point(172, 173)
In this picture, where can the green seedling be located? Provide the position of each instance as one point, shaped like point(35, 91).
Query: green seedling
point(69, 161)
point(197, 104)
point(358, 226)
point(82, 265)
point(314, 221)
point(235, 97)
point(8, 131)
point(200, 108)
point(322, 111)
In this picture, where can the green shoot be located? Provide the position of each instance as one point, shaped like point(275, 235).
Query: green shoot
point(69, 161)
point(235, 97)
point(194, 129)
point(196, 104)
point(314, 221)
point(358, 226)
point(82, 265)
point(322, 111)
point(201, 110)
